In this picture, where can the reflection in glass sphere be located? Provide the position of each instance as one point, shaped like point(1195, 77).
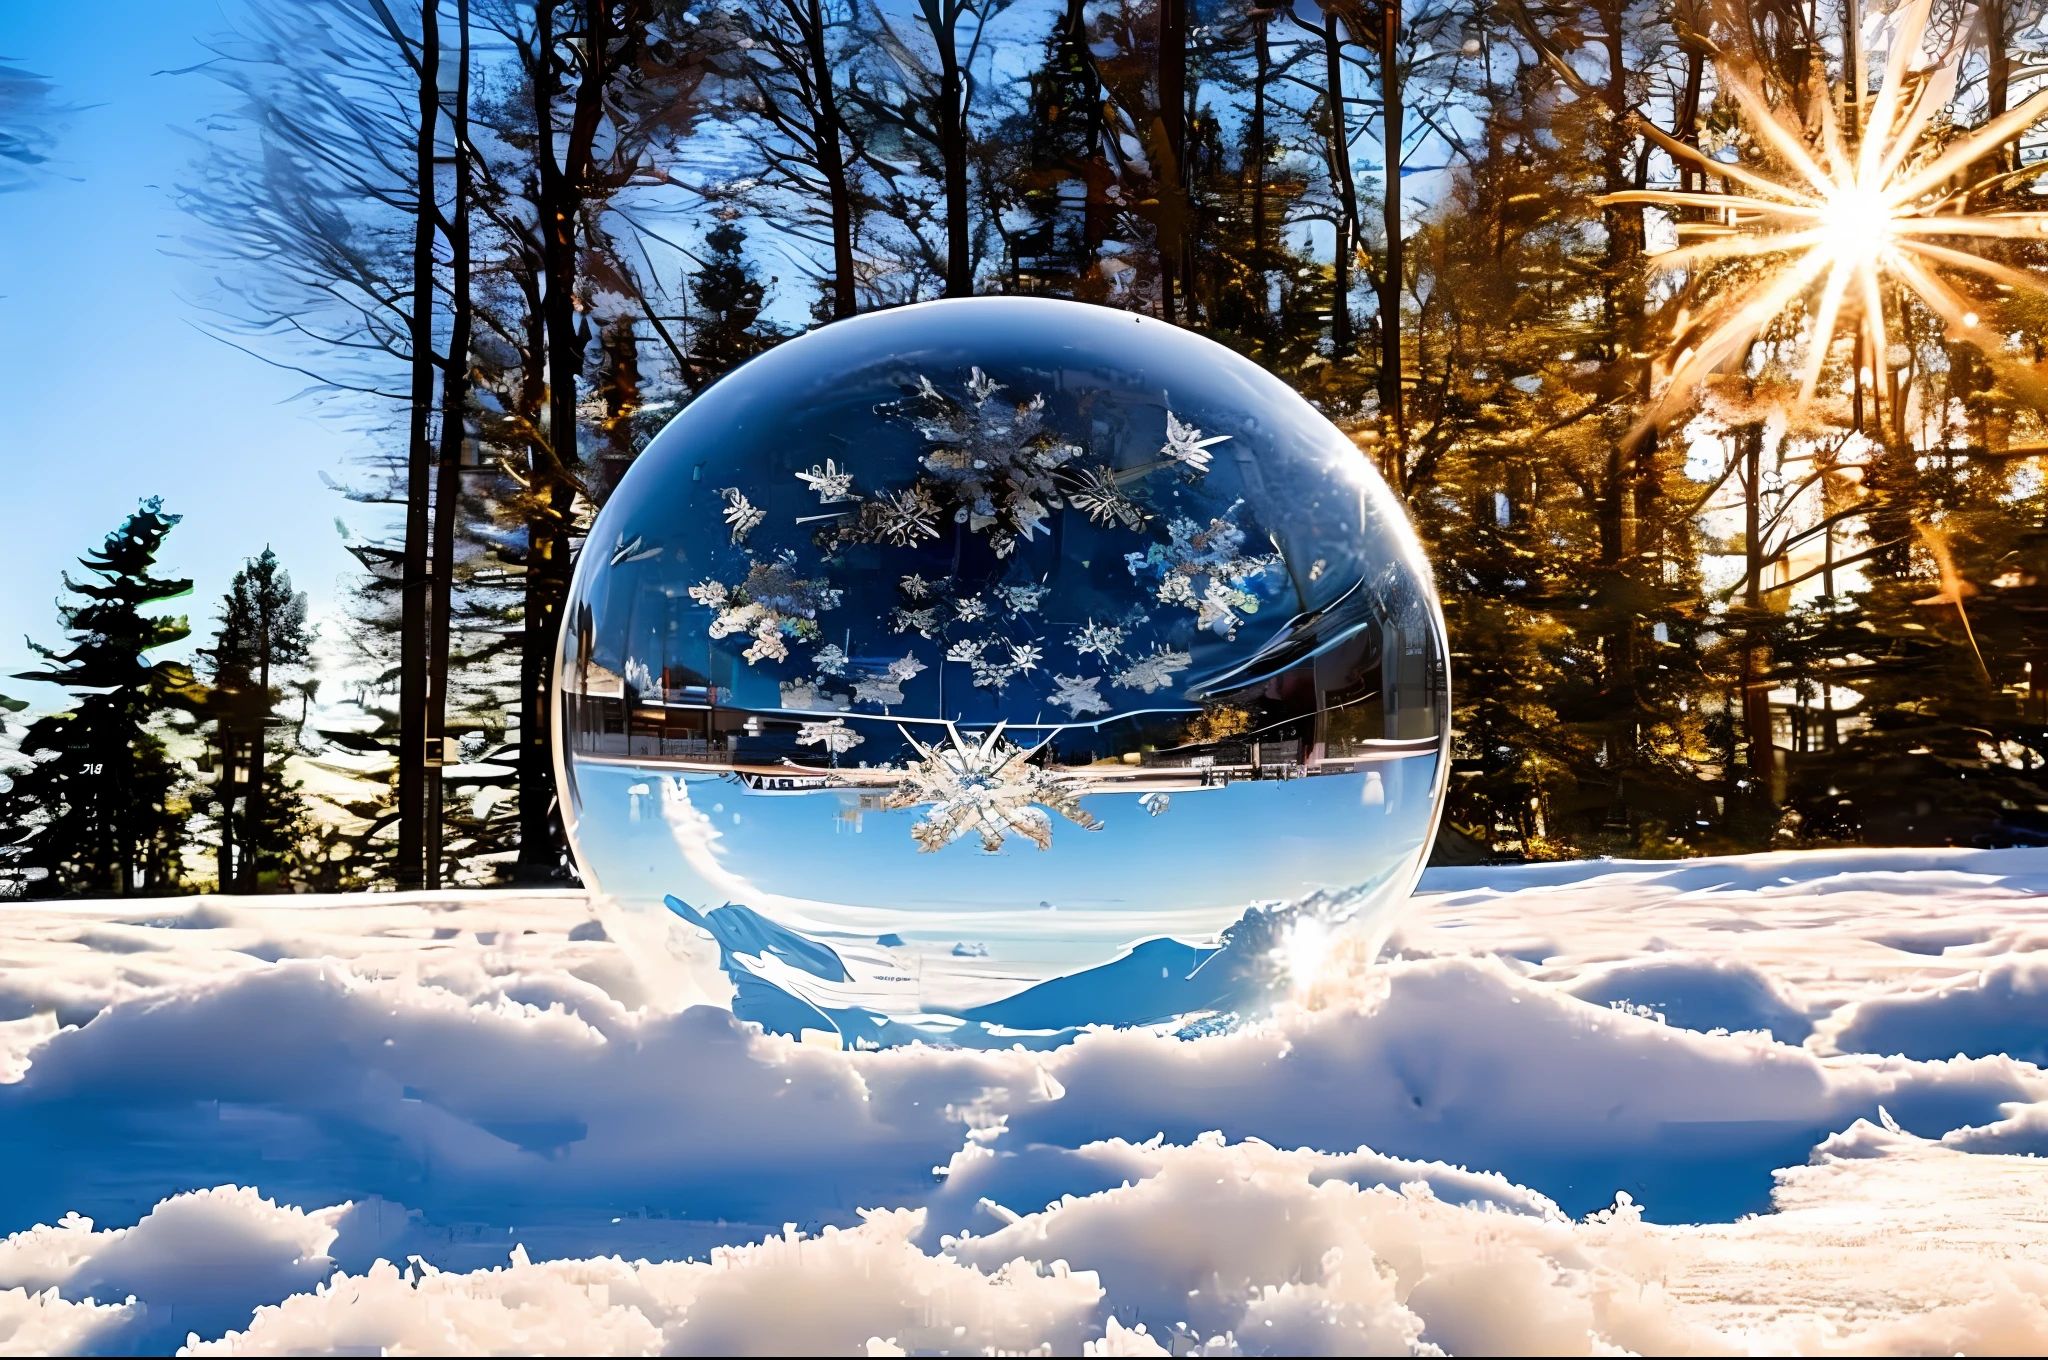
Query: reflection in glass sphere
point(999, 666)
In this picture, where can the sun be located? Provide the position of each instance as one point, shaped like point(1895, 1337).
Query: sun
point(1857, 224)
point(1863, 199)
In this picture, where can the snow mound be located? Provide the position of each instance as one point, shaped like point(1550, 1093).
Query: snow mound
point(2003, 1009)
point(1225, 1249)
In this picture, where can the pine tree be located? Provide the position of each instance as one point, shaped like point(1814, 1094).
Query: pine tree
point(729, 295)
point(106, 789)
point(262, 634)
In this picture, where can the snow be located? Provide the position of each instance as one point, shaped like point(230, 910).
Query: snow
point(1759, 1105)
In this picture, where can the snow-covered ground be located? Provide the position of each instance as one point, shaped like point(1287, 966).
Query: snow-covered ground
point(1725, 1106)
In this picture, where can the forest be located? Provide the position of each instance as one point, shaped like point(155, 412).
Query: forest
point(1741, 535)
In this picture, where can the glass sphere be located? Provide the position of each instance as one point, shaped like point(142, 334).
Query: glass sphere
point(987, 668)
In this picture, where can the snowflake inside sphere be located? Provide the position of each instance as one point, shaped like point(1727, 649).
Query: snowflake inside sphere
point(999, 665)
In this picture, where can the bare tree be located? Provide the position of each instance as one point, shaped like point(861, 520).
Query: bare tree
point(789, 69)
point(922, 89)
point(610, 86)
point(455, 388)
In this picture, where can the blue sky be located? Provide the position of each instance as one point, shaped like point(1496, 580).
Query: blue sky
point(110, 390)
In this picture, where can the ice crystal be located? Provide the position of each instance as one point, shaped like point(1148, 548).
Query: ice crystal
point(1079, 696)
point(1102, 639)
point(835, 736)
point(1104, 501)
point(1204, 570)
point(971, 608)
point(1154, 672)
point(882, 689)
point(904, 517)
point(805, 694)
point(988, 787)
point(741, 514)
point(1178, 589)
point(1154, 803)
point(993, 671)
point(768, 644)
point(923, 622)
point(1216, 610)
point(1184, 444)
point(966, 649)
point(772, 604)
point(830, 659)
point(832, 484)
point(979, 386)
point(1025, 656)
point(1022, 599)
point(915, 588)
point(906, 668)
point(995, 465)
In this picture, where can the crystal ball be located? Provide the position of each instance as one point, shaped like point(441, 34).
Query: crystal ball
point(981, 669)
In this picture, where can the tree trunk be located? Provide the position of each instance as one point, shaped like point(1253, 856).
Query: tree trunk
point(561, 180)
point(1256, 144)
point(1687, 123)
point(224, 867)
point(1256, 153)
point(1390, 280)
point(1172, 173)
point(536, 861)
point(1997, 75)
point(413, 582)
point(448, 479)
point(832, 163)
point(1756, 697)
point(1340, 175)
point(252, 856)
point(952, 131)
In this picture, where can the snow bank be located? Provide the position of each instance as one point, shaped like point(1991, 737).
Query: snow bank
point(1224, 1249)
point(321, 1085)
point(204, 1259)
point(467, 1080)
point(2003, 1009)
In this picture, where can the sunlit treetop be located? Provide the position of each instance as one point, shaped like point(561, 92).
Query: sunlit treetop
point(1864, 194)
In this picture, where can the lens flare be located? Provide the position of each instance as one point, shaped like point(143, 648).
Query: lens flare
point(1862, 200)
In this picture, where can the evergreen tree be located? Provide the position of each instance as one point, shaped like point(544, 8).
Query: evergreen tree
point(104, 790)
point(729, 295)
point(262, 633)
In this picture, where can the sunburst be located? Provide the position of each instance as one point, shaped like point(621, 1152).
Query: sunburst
point(1857, 205)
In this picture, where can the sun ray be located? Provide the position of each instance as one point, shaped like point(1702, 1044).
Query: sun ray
point(1764, 120)
point(1823, 333)
point(1962, 319)
point(1884, 111)
point(1963, 259)
point(1758, 306)
point(1739, 173)
point(2007, 226)
point(1662, 197)
point(1874, 337)
point(1732, 248)
point(1971, 148)
point(1933, 92)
